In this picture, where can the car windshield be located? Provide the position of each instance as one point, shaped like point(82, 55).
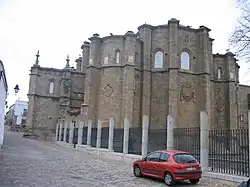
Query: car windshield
point(184, 158)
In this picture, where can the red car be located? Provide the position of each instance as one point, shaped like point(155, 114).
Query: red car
point(170, 166)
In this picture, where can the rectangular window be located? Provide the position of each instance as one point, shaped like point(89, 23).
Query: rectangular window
point(184, 158)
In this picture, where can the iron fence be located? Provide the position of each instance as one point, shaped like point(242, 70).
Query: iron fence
point(157, 139)
point(84, 135)
point(93, 137)
point(104, 137)
point(62, 135)
point(58, 134)
point(67, 135)
point(134, 142)
point(118, 140)
point(229, 151)
point(188, 139)
point(75, 135)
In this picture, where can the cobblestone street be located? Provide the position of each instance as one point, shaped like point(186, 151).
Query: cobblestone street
point(31, 163)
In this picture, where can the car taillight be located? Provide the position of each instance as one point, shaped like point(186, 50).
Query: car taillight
point(177, 167)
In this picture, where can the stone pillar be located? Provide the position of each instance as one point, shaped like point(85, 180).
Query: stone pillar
point(89, 133)
point(85, 56)
point(99, 134)
point(71, 132)
point(92, 80)
point(173, 60)
point(170, 132)
point(126, 136)
point(233, 91)
point(144, 144)
point(145, 31)
point(57, 127)
point(80, 131)
point(111, 133)
point(206, 52)
point(66, 125)
point(60, 131)
point(204, 140)
point(78, 64)
point(128, 75)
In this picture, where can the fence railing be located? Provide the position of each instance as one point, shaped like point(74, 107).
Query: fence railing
point(188, 139)
point(229, 151)
point(228, 148)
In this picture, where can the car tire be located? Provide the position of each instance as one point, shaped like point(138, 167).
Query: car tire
point(194, 181)
point(168, 179)
point(137, 171)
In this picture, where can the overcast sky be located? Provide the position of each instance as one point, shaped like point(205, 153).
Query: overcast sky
point(59, 27)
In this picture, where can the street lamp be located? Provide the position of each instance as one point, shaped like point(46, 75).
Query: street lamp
point(16, 89)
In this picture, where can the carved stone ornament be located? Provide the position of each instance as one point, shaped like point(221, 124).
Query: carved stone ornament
point(64, 101)
point(66, 85)
point(79, 95)
point(107, 90)
point(63, 112)
point(187, 93)
point(74, 112)
point(130, 59)
point(186, 40)
point(219, 100)
point(84, 109)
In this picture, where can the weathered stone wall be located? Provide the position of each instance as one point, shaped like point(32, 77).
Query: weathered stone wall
point(77, 93)
point(137, 117)
point(110, 94)
point(44, 107)
point(159, 100)
point(190, 100)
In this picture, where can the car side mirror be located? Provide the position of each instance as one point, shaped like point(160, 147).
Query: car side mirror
point(144, 159)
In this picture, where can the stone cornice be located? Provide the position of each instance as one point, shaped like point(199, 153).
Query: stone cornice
point(243, 85)
point(73, 71)
point(44, 96)
point(110, 66)
point(54, 97)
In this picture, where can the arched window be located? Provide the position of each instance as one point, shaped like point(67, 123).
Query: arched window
point(185, 61)
point(219, 72)
point(51, 87)
point(159, 59)
point(117, 56)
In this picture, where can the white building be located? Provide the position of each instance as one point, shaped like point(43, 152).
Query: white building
point(3, 96)
point(17, 114)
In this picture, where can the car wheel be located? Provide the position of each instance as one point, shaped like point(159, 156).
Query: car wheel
point(194, 181)
point(137, 171)
point(168, 179)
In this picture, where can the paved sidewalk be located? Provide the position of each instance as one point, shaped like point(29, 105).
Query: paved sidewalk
point(31, 163)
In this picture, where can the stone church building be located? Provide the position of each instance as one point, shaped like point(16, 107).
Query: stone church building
point(160, 70)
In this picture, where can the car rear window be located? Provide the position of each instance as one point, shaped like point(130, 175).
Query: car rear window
point(184, 158)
